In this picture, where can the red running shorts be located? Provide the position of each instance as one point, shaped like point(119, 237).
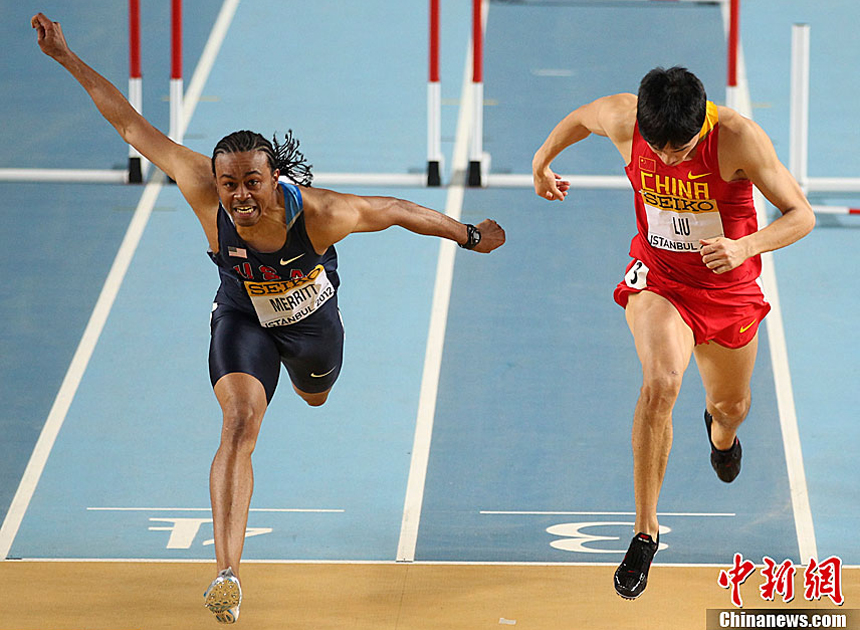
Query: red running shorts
point(729, 317)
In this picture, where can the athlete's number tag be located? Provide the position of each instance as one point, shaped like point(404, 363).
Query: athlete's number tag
point(680, 231)
point(636, 278)
point(286, 302)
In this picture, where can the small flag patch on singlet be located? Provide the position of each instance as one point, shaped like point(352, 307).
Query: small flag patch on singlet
point(237, 252)
point(647, 164)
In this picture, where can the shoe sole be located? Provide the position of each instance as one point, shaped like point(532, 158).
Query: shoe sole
point(223, 596)
point(227, 616)
point(627, 598)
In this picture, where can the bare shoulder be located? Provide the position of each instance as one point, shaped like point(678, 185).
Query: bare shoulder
point(193, 175)
point(739, 130)
point(329, 215)
point(745, 149)
point(618, 114)
point(319, 202)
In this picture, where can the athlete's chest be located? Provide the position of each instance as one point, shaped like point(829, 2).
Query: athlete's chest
point(288, 263)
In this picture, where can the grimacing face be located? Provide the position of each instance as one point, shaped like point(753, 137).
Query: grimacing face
point(246, 185)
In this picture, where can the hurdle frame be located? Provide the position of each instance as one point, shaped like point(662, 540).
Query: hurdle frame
point(434, 102)
point(799, 127)
point(176, 84)
point(137, 165)
point(135, 87)
point(612, 182)
point(478, 160)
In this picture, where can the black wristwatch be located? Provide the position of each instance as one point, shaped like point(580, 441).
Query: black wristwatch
point(473, 238)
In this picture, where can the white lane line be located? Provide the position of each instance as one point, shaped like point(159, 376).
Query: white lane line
point(75, 373)
point(438, 321)
point(779, 359)
point(206, 509)
point(538, 513)
point(81, 358)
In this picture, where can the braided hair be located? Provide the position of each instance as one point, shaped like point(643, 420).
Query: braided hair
point(284, 157)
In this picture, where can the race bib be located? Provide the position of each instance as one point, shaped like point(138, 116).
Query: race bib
point(285, 302)
point(637, 276)
point(677, 224)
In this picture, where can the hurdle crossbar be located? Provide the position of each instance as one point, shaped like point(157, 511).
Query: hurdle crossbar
point(70, 175)
point(835, 210)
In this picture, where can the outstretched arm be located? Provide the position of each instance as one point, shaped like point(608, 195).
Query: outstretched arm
point(610, 116)
point(331, 216)
point(191, 171)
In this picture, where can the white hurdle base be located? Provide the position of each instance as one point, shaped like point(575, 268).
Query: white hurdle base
point(576, 181)
point(831, 184)
point(80, 176)
point(407, 180)
point(835, 210)
point(94, 176)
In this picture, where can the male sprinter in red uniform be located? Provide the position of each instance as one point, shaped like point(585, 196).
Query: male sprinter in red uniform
point(273, 242)
point(692, 286)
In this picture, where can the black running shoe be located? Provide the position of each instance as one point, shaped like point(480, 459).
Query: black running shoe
point(727, 464)
point(631, 577)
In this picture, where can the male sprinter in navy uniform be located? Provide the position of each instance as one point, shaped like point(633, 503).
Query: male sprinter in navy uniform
point(273, 243)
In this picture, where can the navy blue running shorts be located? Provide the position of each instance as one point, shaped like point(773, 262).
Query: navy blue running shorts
point(311, 349)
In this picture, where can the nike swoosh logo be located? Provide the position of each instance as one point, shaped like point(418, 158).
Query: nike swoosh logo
point(287, 262)
point(747, 327)
point(321, 375)
point(691, 176)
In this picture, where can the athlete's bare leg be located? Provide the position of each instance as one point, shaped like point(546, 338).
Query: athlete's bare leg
point(231, 478)
point(726, 375)
point(664, 344)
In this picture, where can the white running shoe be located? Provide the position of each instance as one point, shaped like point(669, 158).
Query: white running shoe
point(224, 596)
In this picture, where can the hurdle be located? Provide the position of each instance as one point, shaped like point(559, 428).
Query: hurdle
point(732, 54)
point(799, 128)
point(137, 164)
point(619, 182)
point(135, 87)
point(478, 160)
point(434, 103)
point(176, 131)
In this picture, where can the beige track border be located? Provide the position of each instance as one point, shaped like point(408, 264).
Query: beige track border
point(389, 596)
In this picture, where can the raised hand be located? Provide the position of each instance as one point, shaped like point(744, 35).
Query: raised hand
point(50, 37)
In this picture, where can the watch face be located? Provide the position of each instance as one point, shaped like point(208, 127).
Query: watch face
point(474, 237)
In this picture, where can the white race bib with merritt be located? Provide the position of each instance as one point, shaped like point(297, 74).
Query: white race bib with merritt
point(285, 302)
